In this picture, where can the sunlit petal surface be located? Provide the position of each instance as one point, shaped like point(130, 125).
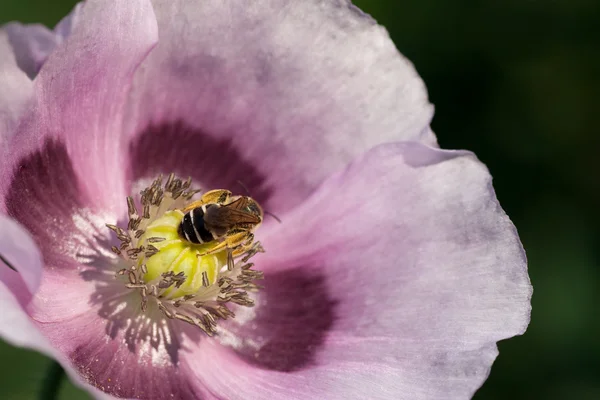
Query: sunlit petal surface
point(393, 272)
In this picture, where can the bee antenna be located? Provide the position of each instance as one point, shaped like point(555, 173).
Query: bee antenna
point(273, 215)
point(266, 212)
point(245, 188)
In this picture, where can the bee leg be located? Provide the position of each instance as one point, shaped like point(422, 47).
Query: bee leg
point(248, 250)
point(244, 246)
point(218, 196)
point(236, 245)
point(230, 242)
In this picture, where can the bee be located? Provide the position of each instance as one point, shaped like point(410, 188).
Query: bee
point(219, 216)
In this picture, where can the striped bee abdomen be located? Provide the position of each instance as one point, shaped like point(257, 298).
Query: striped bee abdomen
point(192, 227)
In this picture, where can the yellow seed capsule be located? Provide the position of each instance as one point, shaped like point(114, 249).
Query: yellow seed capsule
point(189, 259)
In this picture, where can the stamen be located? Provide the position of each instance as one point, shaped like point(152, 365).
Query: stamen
point(186, 281)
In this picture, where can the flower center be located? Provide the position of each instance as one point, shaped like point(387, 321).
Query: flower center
point(190, 262)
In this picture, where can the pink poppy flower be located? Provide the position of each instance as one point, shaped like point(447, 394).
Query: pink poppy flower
point(394, 271)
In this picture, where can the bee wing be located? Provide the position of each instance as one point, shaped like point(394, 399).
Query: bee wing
point(227, 217)
point(238, 204)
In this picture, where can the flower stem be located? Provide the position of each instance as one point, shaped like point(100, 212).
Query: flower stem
point(52, 381)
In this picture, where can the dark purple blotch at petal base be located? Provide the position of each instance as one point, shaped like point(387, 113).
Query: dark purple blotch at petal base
point(211, 162)
point(294, 312)
point(43, 196)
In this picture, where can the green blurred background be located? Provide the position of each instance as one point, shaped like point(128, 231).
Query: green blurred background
point(517, 82)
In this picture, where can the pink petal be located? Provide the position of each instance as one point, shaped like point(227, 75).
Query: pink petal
point(16, 91)
point(16, 327)
point(80, 93)
point(65, 27)
point(407, 272)
point(33, 43)
point(18, 248)
point(285, 92)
